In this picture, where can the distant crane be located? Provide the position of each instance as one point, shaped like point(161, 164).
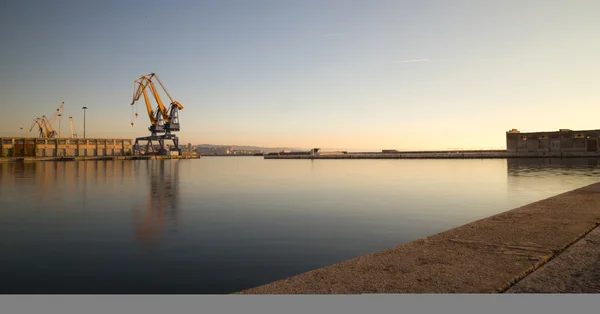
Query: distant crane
point(37, 121)
point(45, 125)
point(49, 132)
point(73, 134)
point(43, 128)
point(51, 122)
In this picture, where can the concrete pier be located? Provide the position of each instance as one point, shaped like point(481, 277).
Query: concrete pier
point(436, 155)
point(491, 255)
point(64, 147)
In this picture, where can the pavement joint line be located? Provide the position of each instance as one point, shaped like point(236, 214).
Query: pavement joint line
point(555, 254)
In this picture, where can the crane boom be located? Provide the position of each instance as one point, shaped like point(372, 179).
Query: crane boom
point(48, 126)
point(153, 119)
point(58, 111)
point(73, 134)
point(161, 107)
point(146, 82)
point(139, 88)
point(37, 122)
point(179, 106)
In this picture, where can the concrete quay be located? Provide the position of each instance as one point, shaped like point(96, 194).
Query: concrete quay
point(63, 147)
point(83, 158)
point(552, 242)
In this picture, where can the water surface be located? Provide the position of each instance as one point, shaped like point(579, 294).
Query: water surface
point(219, 225)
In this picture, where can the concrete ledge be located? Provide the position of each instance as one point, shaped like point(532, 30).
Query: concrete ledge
point(486, 256)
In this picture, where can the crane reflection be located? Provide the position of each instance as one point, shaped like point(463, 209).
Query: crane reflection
point(161, 209)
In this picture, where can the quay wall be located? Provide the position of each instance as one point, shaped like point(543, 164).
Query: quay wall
point(486, 256)
point(64, 147)
point(84, 158)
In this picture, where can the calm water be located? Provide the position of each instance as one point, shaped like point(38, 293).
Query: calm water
point(219, 225)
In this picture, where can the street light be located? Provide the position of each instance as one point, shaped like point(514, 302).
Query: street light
point(84, 108)
point(59, 115)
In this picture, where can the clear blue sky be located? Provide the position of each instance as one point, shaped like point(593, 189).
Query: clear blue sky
point(348, 74)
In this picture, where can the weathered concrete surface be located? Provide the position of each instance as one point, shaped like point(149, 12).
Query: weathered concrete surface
point(576, 270)
point(485, 256)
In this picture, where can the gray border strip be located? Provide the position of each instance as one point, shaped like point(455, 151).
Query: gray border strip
point(408, 303)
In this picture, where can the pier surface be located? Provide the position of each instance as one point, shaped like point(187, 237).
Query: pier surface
point(576, 270)
point(551, 243)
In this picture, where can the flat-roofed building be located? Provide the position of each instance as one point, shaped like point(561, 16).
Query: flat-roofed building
point(561, 141)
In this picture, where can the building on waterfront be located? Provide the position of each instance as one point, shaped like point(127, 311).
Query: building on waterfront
point(561, 141)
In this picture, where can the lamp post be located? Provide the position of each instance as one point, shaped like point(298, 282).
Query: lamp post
point(59, 120)
point(84, 108)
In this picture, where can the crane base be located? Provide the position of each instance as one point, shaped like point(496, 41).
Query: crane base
point(155, 145)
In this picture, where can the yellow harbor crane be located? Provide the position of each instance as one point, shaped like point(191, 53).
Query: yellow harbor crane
point(45, 125)
point(40, 125)
point(163, 120)
point(56, 115)
point(43, 128)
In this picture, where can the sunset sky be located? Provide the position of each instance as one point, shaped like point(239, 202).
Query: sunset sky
point(339, 74)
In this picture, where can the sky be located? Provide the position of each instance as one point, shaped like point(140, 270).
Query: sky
point(345, 74)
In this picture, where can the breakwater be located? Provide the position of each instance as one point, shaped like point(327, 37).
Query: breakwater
point(433, 155)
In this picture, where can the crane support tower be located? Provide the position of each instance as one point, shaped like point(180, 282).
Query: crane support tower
point(163, 120)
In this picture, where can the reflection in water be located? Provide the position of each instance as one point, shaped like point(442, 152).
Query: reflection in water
point(86, 227)
point(54, 182)
point(541, 178)
point(554, 166)
point(161, 203)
